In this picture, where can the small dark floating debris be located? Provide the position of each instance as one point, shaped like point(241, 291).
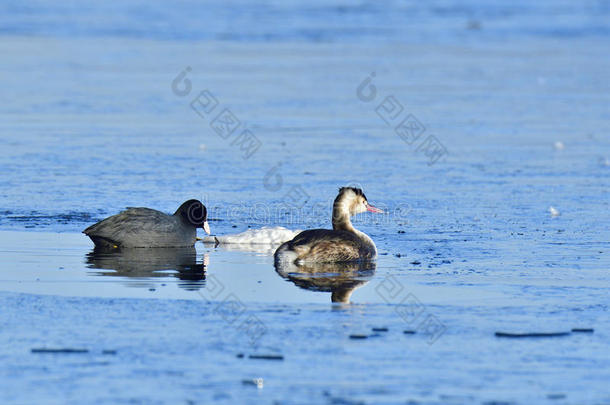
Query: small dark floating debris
point(109, 352)
point(532, 334)
point(415, 262)
point(408, 332)
point(398, 255)
point(384, 329)
point(401, 232)
point(266, 357)
point(556, 396)
point(343, 401)
point(473, 25)
point(240, 355)
point(358, 336)
point(256, 382)
point(63, 350)
point(152, 289)
point(583, 330)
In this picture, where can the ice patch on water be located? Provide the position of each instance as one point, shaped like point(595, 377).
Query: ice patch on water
point(263, 236)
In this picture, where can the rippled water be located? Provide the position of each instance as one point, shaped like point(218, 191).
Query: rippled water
point(97, 117)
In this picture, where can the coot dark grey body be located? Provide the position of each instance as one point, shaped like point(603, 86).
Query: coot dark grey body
point(145, 227)
point(343, 243)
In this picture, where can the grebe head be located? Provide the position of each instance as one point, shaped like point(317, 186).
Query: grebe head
point(352, 200)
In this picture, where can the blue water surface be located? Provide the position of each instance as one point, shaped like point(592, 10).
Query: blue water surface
point(466, 121)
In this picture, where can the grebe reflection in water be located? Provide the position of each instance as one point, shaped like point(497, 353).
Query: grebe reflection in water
point(340, 279)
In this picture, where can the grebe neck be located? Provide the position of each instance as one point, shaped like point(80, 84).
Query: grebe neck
point(341, 218)
point(342, 222)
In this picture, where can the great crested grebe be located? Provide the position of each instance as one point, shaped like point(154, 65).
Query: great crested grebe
point(145, 227)
point(343, 243)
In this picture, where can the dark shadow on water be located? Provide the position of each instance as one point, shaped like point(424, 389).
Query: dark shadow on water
point(180, 263)
point(340, 279)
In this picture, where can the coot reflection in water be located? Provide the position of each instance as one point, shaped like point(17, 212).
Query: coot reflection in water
point(340, 279)
point(143, 264)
